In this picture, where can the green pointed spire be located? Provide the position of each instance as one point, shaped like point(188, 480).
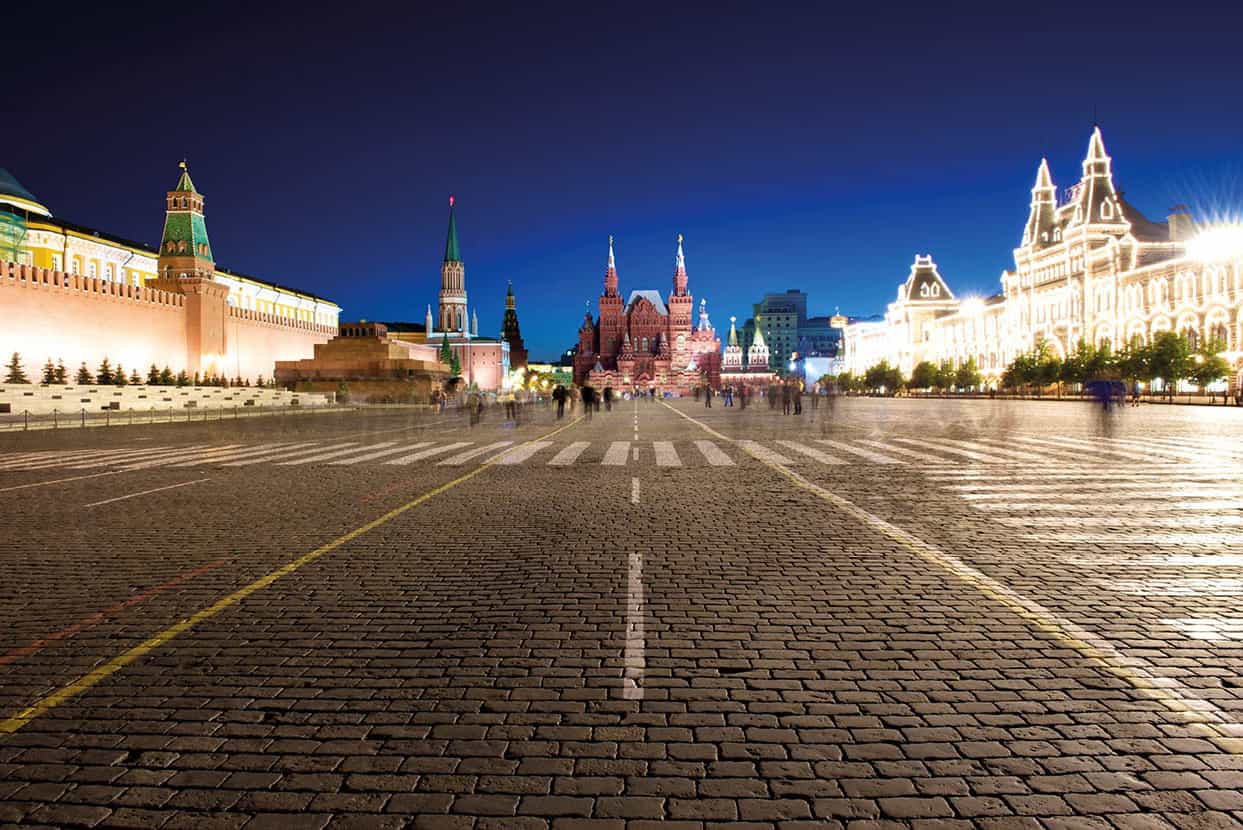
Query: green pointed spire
point(184, 185)
point(452, 254)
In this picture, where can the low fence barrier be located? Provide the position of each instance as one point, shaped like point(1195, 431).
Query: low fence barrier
point(81, 418)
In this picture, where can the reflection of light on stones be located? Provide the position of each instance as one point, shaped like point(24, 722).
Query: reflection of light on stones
point(1178, 587)
point(1208, 628)
point(1189, 560)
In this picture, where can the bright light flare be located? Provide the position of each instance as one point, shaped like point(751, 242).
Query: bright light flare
point(972, 306)
point(1218, 243)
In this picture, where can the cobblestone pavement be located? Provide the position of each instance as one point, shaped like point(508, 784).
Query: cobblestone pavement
point(888, 614)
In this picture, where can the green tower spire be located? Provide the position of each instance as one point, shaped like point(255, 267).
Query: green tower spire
point(452, 254)
point(184, 247)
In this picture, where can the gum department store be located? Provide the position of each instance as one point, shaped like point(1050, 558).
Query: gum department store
point(1091, 268)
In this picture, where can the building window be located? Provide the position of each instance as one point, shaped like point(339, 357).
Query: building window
point(110, 271)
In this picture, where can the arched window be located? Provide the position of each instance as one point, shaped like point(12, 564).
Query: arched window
point(1193, 338)
point(1107, 210)
point(1219, 334)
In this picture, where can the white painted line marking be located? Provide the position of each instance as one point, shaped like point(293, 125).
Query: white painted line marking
point(713, 455)
point(1203, 539)
point(905, 453)
point(120, 458)
point(282, 450)
point(183, 455)
point(1035, 492)
point(765, 454)
point(1000, 452)
point(635, 455)
point(246, 462)
point(569, 454)
point(29, 461)
point(146, 492)
point(616, 454)
point(666, 455)
point(519, 454)
point(1142, 502)
point(434, 451)
point(370, 456)
point(1123, 521)
point(1033, 487)
point(57, 481)
point(974, 456)
point(634, 490)
point(810, 452)
point(874, 457)
point(334, 453)
point(635, 659)
point(1092, 450)
point(217, 456)
point(463, 457)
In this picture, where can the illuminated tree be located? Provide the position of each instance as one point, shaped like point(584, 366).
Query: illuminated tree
point(118, 377)
point(968, 375)
point(135, 378)
point(166, 377)
point(182, 378)
point(1170, 360)
point(49, 372)
point(15, 372)
point(924, 375)
point(153, 375)
point(61, 375)
point(84, 375)
point(104, 373)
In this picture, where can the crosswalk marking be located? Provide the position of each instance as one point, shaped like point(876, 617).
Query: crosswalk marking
point(30, 459)
point(569, 455)
point(1066, 445)
point(868, 454)
point(811, 452)
point(428, 453)
point(666, 455)
point(1123, 520)
point(519, 454)
point(763, 453)
point(937, 445)
point(260, 455)
point(356, 459)
point(246, 462)
point(108, 459)
point(1137, 502)
point(905, 453)
point(616, 454)
point(163, 460)
point(1003, 452)
point(714, 455)
point(462, 457)
point(222, 455)
point(333, 453)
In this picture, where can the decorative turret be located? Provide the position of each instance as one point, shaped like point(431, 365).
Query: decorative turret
point(1097, 201)
point(679, 271)
point(452, 281)
point(428, 326)
point(1042, 218)
point(627, 350)
point(184, 248)
point(732, 361)
point(704, 324)
point(610, 274)
point(757, 355)
point(510, 332)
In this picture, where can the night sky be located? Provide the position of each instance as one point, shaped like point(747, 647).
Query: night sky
point(809, 147)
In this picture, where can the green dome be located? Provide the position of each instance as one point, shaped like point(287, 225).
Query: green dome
point(12, 192)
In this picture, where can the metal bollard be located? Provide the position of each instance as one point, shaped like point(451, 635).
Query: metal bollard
point(26, 420)
point(84, 419)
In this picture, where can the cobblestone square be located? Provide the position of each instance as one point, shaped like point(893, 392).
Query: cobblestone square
point(884, 613)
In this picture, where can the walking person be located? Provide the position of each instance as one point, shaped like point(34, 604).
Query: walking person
point(608, 399)
point(728, 395)
point(797, 392)
point(707, 396)
point(785, 399)
point(558, 395)
point(589, 400)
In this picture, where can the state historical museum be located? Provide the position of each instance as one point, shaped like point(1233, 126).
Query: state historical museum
point(649, 342)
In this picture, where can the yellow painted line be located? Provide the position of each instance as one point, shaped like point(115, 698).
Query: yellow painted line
point(86, 681)
point(1199, 713)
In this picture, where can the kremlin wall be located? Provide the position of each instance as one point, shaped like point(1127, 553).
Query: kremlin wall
point(120, 300)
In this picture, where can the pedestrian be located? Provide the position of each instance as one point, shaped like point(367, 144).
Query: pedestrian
point(785, 399)
point(729, 395)
point(772, 396)
point(608, 399)
point(707, 396)
point(797, 391)
point(558, 395)
point(588, 395)
point(815, 397)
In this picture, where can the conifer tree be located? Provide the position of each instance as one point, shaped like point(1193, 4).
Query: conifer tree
point(16, 374)
point(135, 379)
point(182, 378)
point(118, 378)
point(84, 375)
point(61, 375)
point(166, 376)
point(49, 372)
point(153, 375)
point(104, 374)
point(455, 365)
point(446, 353)
point(259, 382)
point(197, 380)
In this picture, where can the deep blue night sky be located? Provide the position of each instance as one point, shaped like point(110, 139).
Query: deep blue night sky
point(797, 146)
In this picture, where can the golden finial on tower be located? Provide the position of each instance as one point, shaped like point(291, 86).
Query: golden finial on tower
point(679, 239)
point(610, 239)
point(182, 164)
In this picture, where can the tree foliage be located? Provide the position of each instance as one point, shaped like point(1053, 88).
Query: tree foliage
point(16, 374)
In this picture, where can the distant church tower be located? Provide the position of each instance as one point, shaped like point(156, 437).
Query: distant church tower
point(452, 282)
point(511, 334)
point(733, 352)
point(757, 355)
point(184, 248)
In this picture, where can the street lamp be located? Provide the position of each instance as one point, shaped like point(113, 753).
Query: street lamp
point(1217, 243)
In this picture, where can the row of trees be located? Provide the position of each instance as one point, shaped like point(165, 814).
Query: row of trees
point(1169, 358)
point(108, 375)
point(926, 375)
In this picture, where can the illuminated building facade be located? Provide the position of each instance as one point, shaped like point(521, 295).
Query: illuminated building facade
point(77, 295)
point(1089, 267)
point(647, 342)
